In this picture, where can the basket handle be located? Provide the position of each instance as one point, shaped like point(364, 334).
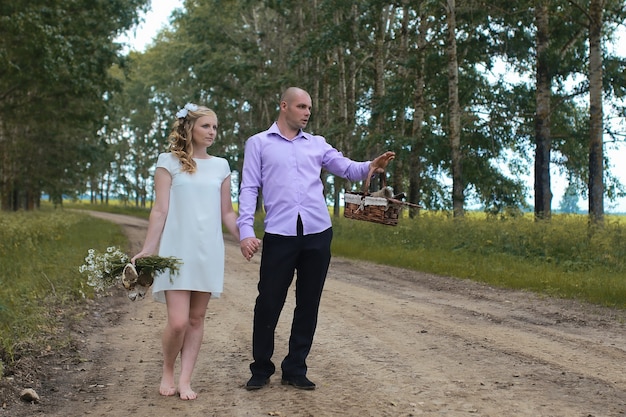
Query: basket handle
point(366, 186)
point(370, 174)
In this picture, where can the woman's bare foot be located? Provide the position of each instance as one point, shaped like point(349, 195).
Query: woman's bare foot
point(167, 391)
point(187, 394)
point(167, 388)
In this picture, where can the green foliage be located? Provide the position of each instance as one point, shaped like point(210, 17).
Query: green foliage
point(55, 58)
point(562, 258)
point(376, 70)
point(252, 50)
point(39, 280)
point(569, 202)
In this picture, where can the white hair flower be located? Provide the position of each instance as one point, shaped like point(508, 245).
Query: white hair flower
point(182, 113)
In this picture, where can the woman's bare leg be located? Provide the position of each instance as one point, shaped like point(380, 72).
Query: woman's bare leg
point(173, 336)
point(192, 342)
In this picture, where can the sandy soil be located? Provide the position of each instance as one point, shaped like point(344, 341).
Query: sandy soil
point(390, 342)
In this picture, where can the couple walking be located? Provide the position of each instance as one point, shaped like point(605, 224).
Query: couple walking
point(193, 201)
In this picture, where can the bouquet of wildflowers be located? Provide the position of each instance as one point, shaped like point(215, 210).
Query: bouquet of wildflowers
point(104, 270)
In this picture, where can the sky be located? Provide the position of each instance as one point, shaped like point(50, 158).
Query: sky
point(158, 17)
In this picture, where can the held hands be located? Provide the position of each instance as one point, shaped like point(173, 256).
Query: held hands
point(249, 246)
point(379, 164)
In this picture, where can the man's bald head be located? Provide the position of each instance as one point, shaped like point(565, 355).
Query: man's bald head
point(292, 93)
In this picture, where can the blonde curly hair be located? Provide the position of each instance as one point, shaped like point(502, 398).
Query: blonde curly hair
point(180, 137)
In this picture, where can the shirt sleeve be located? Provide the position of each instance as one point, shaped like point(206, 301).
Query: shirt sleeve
point(225, 170)
point(166, 161)
point(251, 182)
point(336, 163)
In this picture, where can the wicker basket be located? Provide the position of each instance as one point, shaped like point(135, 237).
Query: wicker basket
point(359, 206)
point(364, 206)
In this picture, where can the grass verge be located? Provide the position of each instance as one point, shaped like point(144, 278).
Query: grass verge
point(563, 257)
point(40, 286)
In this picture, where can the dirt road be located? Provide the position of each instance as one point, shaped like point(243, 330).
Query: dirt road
point(390, 342)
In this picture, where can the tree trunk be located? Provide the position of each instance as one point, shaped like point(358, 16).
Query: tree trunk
point(454, 110)
point(342, 99)
point(596, 154)
point(417, 146)
point(377, 119)
point(379, 70)
point(543, 194)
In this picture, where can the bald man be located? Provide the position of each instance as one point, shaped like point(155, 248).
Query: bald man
point(285, 164)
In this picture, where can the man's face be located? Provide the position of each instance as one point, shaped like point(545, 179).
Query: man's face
point(298, 110)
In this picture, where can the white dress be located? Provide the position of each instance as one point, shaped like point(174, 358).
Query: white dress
point(193, 228)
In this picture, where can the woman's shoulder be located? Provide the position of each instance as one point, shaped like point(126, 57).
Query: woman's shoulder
point(213, 161)
point(165, 155)
point(219, 159)
point(223, 162)
point(167, 159)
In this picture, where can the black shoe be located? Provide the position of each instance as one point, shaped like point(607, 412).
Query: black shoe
point(257, 382)
point(298, 381)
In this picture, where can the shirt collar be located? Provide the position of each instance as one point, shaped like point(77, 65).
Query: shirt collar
point(273, 130)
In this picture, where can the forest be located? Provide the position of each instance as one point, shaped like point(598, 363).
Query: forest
point(471, 95)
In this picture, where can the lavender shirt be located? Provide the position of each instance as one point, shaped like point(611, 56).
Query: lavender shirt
point(288, 173)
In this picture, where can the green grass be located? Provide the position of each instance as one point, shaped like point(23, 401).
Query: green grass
point(39, 281)
point(562, 258)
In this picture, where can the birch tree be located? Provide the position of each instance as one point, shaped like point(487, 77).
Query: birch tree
point(596, 151)
point(543, 193)
point(454, 110)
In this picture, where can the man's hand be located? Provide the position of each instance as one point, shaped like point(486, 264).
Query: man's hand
point(379, 164)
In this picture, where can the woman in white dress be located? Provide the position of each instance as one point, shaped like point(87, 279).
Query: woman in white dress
point(193, 200)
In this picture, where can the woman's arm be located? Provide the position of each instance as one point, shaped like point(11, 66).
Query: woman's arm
point(229, 216)
point(249, 246)
point(158, 214)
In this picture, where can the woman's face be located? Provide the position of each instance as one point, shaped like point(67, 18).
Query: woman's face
point(204, 131)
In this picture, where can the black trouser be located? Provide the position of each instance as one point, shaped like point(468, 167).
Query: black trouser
point(283, 255)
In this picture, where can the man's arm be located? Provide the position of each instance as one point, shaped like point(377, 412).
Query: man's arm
point(249, 191)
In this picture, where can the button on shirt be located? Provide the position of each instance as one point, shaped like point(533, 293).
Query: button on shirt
point(288, 173)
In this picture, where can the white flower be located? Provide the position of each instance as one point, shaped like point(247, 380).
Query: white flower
point(104, 270)
point(182, 113)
